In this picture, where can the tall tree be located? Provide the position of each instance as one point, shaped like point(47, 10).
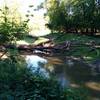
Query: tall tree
point(74, 15)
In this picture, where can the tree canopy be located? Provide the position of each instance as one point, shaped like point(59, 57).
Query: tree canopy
point(74, 15)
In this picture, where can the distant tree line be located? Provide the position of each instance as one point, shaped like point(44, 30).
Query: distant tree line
point(76, 16)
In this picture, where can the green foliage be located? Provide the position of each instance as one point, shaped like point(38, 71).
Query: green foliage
point(17, 82)
point(74, 16)
point(79, 47)
point(57, 15)
point(11, 29)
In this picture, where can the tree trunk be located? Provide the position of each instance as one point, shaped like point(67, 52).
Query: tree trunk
point(95, 30)
point(76, 30)
point(87, 31)
point(92, 31)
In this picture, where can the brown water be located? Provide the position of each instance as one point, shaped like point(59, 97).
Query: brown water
point(70, 72)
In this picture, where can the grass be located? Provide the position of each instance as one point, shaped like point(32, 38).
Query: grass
point(78, 51)
point(40, 40)
point(61, 37)
point(32, 40)
point(27, 40)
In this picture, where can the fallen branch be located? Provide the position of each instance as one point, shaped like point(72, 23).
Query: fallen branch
point(3, 54)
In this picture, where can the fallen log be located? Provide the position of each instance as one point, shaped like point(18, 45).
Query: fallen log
point(57, 48)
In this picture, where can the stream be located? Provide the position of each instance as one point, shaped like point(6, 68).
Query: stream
point(69, 71)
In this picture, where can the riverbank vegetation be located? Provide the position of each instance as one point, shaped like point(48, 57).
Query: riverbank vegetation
point(17, 82)
point(74, 25)
point(86, 47)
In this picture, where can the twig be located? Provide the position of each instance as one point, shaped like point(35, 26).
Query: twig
point(3, 54)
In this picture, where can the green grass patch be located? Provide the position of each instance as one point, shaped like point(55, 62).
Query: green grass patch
point(40, 40)
point(81, 50)
point(27, 40)
point(61, 37)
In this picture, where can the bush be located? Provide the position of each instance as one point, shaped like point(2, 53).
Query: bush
point(10, 28)
point(17, 82)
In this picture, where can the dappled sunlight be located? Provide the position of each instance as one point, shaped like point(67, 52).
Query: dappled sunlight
point(75, 85)
point(93, 85)
point(26, 41)
point(54, 60)
point(22, 42)
point(40, 40)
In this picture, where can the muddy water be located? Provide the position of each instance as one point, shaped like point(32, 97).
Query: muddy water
point(69, 72)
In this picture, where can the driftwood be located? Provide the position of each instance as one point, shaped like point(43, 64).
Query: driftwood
point(49, 47)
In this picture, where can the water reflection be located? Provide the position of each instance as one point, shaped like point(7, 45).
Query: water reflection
point(75, 73)
point(68, 71)
point(36, 63)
